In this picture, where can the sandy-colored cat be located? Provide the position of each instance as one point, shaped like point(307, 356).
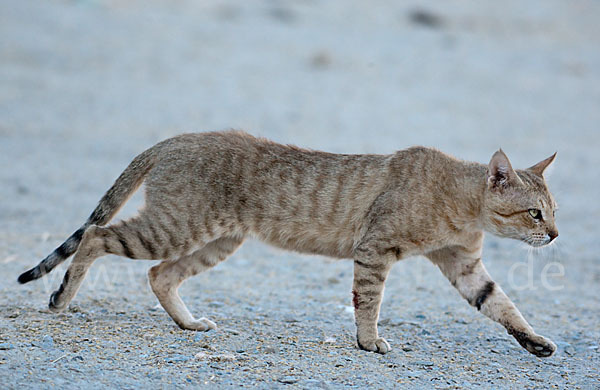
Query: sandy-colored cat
point(206, 192)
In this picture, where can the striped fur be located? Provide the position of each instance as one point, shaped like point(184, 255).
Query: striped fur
point(205, 193)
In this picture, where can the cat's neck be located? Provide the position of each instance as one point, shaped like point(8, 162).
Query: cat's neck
point(469, 188)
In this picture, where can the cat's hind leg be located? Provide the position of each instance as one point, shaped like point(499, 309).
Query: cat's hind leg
point(466, 272)
point(125, 238)
point(166, 277)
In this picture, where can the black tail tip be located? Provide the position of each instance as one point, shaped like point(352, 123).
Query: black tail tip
point(28, 276)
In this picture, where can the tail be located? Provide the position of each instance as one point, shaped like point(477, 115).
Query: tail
point(110, 204)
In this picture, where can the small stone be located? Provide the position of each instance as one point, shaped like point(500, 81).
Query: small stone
point(177, 358)
point(201, 356)
point(314, 384)
point(6, 346)
point(47, 342)
point(226, 357)
point(330, 340)
point(288, 380)
point(424, 363)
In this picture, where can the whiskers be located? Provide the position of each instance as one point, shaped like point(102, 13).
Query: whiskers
point(545, 251)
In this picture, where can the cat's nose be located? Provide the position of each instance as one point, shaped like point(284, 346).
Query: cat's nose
point(552, 234)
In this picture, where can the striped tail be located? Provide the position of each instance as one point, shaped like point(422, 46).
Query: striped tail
point(110, 204)
point(59, 255)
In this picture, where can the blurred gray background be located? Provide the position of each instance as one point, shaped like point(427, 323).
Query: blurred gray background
point(87, 85)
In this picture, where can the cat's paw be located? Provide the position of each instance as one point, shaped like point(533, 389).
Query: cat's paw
point(201, 325)
point(379, 345)
point(55, 305)
point(536, 344)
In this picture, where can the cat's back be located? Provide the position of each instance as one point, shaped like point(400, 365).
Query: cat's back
point(421, 165)
point(226, 144)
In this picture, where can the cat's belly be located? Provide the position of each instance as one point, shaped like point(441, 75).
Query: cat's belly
point(318, 241)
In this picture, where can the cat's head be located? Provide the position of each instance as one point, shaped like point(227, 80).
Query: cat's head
point(517, 203)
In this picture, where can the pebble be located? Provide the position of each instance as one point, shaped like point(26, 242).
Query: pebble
point(177, 358)
point(288, 380)
point(424, 363)
point(201, 356)
point(6, 346)
point(224, 357)
point(47, 342)
point(314, 384)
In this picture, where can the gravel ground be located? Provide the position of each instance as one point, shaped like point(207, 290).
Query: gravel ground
point(86, 85)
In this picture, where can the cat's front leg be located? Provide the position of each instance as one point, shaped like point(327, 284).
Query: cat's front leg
point(369, 278)
point(467, 273)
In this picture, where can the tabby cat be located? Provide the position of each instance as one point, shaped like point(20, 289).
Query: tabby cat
point(207, 192)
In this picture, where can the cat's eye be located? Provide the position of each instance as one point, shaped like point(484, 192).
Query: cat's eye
point(535, 213)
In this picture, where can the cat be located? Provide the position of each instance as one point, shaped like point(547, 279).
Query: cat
point(206, 192)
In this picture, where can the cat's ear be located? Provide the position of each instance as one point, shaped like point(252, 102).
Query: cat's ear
point(500, 173)
point(540, 167)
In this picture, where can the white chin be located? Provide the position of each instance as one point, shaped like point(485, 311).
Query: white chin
point(536, 243)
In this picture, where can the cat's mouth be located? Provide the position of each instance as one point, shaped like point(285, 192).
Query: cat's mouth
point(537, 240)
